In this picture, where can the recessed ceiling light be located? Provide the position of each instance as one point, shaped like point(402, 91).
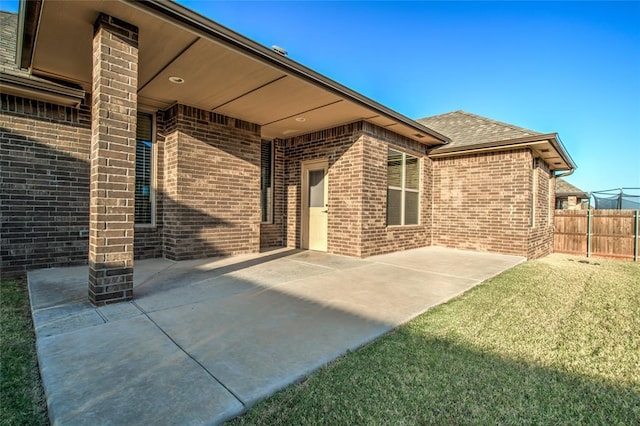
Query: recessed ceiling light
point(301, 119)
point(176, 80)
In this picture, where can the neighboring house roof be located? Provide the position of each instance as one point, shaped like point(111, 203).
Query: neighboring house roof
point(221, 70)
point(565, 189)
point(470, 133)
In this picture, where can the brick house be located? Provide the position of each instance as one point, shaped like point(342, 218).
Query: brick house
point(142, 130)
point(494, 185)
point(570, 197)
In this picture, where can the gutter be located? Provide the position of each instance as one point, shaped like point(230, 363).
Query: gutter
point(28, 22)
point(47, 91)
point(552, 138)
point(569, 173)
point(563, 152)
point(181, 14)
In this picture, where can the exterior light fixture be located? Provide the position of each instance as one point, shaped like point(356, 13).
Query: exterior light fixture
point(301, 119)
point(176, 80)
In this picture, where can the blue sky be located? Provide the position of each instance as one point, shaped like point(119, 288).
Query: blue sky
point(566, 67)
point(571, 68)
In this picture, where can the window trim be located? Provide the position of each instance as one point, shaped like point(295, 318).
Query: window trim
point(403, 189)
point(534, 193)
point(271, 208)
point(154, 171)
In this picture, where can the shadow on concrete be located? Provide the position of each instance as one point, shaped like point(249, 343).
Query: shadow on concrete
point(214, 336)
point(198, 352)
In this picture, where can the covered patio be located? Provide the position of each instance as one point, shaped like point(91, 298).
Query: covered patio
point(206, 339)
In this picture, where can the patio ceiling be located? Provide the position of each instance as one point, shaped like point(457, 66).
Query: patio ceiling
point(223, 71)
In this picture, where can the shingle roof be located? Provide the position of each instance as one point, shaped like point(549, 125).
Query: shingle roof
point(565, 188)
point(466, 129)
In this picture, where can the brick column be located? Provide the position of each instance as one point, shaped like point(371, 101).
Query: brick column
point(113, 150)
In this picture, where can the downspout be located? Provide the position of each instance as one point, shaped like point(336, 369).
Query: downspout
point(570, 172)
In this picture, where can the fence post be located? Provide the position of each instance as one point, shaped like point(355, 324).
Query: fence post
point(635, 235)
point(589, 233)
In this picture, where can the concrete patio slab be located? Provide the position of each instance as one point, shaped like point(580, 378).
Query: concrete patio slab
point(204, 340)
point(263, 341)
point(134, 376)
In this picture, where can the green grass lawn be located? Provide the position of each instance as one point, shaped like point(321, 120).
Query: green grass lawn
point(552, 341)
point(21, 397)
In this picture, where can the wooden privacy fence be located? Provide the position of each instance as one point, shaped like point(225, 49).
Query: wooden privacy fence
point(603, 233)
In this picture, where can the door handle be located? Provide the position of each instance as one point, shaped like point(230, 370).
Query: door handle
point(325, 211)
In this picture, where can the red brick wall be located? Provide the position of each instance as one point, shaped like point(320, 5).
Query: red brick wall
point(113, 160)
point(377, 237)
point(44, 193)
point(342, 146)
point(482, 201)
point(540, 239)
point(211, 186)
point(357, 155)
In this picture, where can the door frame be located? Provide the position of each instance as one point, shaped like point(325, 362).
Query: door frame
point(305, 166)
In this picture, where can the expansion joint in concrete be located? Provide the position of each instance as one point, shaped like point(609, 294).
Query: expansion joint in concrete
point(236, 396)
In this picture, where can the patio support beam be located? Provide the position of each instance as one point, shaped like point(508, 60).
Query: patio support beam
point(113, 150)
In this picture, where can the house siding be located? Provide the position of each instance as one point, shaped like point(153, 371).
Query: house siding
point(212, 184)
point(207, 197)
point(44, 193)
point(357, 156)
point(377, 237)
point(342, 146)
point(540, 238)
point(483, 202)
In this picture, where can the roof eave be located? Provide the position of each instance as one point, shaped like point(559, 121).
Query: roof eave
point(563, 151)
point(47, 91)
point(509, 144)
point(28, 20)
point(177, 12)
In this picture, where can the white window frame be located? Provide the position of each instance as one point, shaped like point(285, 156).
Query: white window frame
point(154, 171)
point(403, 189)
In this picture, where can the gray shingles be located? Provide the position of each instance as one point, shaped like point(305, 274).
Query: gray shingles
point(565, 188)
point(466, 129)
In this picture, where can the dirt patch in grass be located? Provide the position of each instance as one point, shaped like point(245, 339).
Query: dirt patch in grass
point(23, 401)
point(551, 341)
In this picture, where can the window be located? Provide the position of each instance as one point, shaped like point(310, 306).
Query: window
point(403, 189)
point(534, 193)
point(144, 170)
point(266, 181)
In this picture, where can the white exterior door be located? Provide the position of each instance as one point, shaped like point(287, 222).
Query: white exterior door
point(315, 206)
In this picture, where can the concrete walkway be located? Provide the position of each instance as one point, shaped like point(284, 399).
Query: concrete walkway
point(204, 340)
